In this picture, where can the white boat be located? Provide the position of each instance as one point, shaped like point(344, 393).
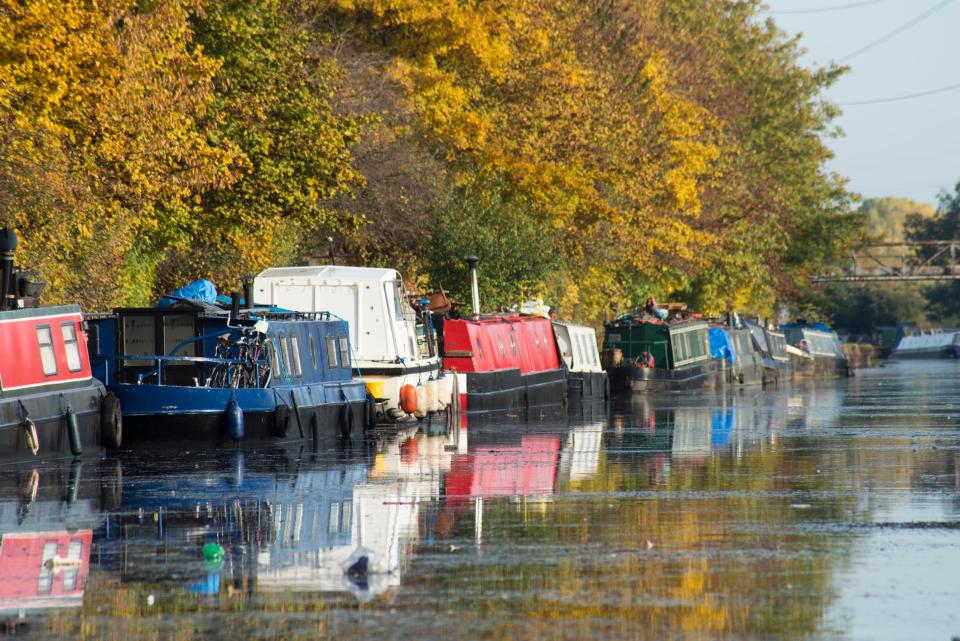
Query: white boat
point(939, 343)
point(577, 345)
point(391, 347)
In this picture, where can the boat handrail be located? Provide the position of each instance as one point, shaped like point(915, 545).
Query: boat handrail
point(160, 360)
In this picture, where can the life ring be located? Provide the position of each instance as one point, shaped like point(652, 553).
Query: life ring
point(281, 421)
point(111, 421)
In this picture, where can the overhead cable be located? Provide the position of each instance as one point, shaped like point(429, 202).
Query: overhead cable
point(908, 96)
point(882, 39)
point(840, 7)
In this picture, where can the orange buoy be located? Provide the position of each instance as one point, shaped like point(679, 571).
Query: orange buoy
point(408, 398)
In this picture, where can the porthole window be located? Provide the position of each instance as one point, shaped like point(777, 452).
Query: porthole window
point(331, 352)
point(294, 349)
point(71, 346)
point(344, 351)
point(47, 356)
point(284, 354)
point(274, 360)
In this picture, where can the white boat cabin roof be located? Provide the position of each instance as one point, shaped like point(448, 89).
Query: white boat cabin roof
point(327, 274)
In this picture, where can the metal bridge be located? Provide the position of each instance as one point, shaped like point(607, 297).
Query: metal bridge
point(921, 260)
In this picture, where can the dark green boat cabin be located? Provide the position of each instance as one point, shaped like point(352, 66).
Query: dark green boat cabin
point(673, 346)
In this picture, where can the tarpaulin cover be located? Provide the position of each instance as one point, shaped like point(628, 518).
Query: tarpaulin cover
point(820, 327)
point(202, 290)
point(720, 346)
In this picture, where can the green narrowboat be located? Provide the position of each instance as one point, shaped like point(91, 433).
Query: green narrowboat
point(642, 355)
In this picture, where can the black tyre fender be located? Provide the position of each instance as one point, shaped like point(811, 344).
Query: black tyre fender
point(111, 422)
point(281, 421)
point(346, 420)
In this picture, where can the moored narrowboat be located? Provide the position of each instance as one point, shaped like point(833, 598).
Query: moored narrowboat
point(777, 366)
point(586, 380)
point(394, 345)
point(503, 362)
point(817, 351)
point(649, 355)
point(195, 370)
point(50, 404)
point(738, 357)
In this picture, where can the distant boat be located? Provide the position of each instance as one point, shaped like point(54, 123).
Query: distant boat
point(940, 343)
point(816, 351)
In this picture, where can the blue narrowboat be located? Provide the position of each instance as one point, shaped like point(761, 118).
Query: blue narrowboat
point(195, 369)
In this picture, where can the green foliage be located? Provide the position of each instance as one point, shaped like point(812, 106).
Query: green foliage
point(860, 309)
point(886, 218)
point(943, 299)
point(593, 152)
point(515, 256)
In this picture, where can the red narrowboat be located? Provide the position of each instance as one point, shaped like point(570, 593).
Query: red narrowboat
point(50, 404)
point(504, 362)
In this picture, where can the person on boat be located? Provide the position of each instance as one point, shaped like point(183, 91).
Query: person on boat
point(652, 309)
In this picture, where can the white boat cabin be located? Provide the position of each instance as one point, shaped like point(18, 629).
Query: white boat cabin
point(578, 347)
point(390, 347)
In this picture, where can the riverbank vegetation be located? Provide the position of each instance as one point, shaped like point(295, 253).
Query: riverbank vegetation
point(591, 152)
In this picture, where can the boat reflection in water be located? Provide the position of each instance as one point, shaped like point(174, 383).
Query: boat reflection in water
point(280, 522)
point(47, 518)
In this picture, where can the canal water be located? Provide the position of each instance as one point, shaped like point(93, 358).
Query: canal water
point(826, 510)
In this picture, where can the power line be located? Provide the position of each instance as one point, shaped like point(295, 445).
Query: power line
point(841, 7)
point(879, 41)
point(908, 96)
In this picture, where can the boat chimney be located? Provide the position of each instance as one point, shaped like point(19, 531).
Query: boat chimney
point(8, 246)
point(234, 305)
point(474, 288)
point(247, 291)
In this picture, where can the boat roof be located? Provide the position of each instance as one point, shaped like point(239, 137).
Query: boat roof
point(330, 273)
point(39, 312)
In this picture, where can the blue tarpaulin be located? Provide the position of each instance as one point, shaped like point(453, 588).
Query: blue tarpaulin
point(202, 290)
point(720, 346)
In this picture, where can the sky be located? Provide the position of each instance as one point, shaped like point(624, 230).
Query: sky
point(908, 148)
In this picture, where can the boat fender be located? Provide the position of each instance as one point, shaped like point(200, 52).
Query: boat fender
point(30, 431)
point(111, 421)
point(73, 431)
point(421, 409)
point(346, 420)
point(235, 427)
point(281, 421)
point(408, 398)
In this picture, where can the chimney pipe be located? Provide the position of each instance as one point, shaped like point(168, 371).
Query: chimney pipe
point(234, 305)
point(247, 291)
point(8, 246)
point(474, 288)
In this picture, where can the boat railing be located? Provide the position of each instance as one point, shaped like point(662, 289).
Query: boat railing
point(233, 368)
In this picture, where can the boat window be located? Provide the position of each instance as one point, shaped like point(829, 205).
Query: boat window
point(70, 573)
point(47, 356)
point(513, 343)
point(69, 331)
point(294, 348)
point(274, 360)
point(284, 354)
point(45, 584)
point(331, 352)
point(394, 295)
point(333, 523)
point(313, 352)
point(178, 328)
point(344, 351)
